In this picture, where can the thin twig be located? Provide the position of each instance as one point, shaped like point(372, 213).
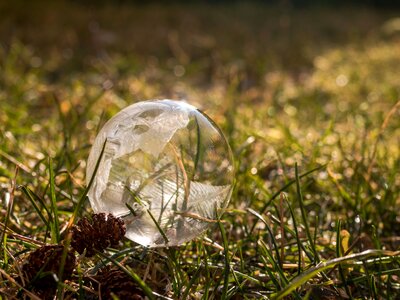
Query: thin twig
point(30, 294)
point(21, 237)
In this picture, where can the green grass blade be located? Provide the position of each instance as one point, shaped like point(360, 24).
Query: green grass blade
point(189, 287)
point(158, 226)
point(226, 259)
point(275, 266)
point(82, 199)
point(54, 222)
point(322, 266)
point(30, 197)
point(178, 276)
point(299, 244)
point(207, 285)
point(272, 198)
point(10, 205)
point(339, 254)
point(198, 148)
point(304, 215)
point(146, 289)
point(276, 249)
point(121, 253)
point(60, 286)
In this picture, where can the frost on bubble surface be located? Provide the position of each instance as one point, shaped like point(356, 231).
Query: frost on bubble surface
point(166, 170)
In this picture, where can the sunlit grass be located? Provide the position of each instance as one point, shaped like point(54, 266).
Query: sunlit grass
point(306, 98)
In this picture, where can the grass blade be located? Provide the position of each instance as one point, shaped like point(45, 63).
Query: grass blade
point(226, 259)
point(272, 198)
point(260, 217)
point(130, 273)
point(304, 215)
point(10, 205)
point(158, 227)
point(322, 266)
point(299, 244)
point(31, 197)
point(339, 253)
point(54, 223)
point(191, 283)
point(82, 199)
point(60, 286)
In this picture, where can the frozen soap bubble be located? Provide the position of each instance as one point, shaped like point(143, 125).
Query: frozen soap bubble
point(166, 170)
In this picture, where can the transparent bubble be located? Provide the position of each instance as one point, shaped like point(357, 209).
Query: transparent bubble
point(166, 170)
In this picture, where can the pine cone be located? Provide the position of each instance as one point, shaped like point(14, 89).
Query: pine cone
point(45, 261)
point(118, 283)
point(98, 234)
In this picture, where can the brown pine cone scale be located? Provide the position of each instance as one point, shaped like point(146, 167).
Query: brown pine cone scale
point(99, 233)
point(118, 283)
point(45, 261)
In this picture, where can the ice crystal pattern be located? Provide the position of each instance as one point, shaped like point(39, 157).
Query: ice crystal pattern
point(166, 170)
